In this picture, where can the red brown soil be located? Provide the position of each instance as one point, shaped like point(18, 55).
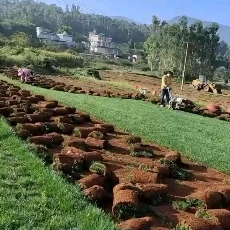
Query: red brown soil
point(211, 197)
point(121, 167)
point(143, 81)
point(96, 193)
point(143, 223)
point(222, 216)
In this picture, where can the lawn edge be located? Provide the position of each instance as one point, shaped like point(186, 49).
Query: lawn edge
point(74, 191)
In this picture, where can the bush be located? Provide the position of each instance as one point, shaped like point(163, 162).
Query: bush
point(145, 69)
point(100, 66)
point(126, 63)
point(38, 58)
point(20, 39)
point(63, 59)
point(221, 74)
point(93, 73)
point(3, 40)
point(143, 66)
point(112, 62)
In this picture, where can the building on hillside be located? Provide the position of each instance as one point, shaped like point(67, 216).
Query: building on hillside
point(55, 38)
point(101, 43)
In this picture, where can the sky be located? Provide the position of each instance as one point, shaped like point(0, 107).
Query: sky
point(143, 10)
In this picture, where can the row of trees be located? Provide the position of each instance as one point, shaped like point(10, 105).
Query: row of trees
point(166, 47)
point(26, 15)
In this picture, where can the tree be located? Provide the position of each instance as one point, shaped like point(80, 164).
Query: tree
point(152, 50)
point(221, 74)
point(131, 44)
point(66, 29)
point(67, 8)
point(21, 40)
point(73, 8)
point(166, 47)
point(222, 48)
point(3, 40)
point(155, 24)
point(227, 55)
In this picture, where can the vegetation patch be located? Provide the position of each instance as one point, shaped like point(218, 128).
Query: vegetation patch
point(126, 211)
point(98, 167)
point(175, 170)
point(133, 140)
point(184, 205)
point(42, 151)
point(144, 167)
point(202, 213)
point(142, 154)
point(93, 73)
point(182, 227)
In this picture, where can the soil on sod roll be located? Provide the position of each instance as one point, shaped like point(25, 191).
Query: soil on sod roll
point(117, 170)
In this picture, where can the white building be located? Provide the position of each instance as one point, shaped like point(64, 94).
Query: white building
point(55, 38)
point(100, 43)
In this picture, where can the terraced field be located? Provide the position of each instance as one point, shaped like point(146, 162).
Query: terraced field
point(116, 82)
point(211, 110)
point(141, 185)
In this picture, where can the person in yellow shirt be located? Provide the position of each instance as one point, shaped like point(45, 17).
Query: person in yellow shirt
point(166, 86)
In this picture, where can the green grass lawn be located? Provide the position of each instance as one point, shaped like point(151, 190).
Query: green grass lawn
point(32, 196)
point(204, 140)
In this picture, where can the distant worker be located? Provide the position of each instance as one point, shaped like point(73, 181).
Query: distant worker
point(166, 87)
point(26, 74)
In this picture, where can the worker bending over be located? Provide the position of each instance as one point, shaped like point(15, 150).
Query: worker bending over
point(25, 74)
point(165, 86)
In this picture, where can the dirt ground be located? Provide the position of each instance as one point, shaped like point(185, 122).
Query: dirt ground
point(136, 175)
point(128, 82)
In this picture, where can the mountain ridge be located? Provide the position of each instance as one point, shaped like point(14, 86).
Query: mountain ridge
point(224, 30)
point(122, 18)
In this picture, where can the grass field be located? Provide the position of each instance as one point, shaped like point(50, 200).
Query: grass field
point(201, 139)
point(35, 197)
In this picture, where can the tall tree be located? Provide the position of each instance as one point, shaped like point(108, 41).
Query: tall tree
point(67, 8)
point(222, 50)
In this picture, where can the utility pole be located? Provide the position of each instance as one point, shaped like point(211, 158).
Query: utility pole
point(185, 60)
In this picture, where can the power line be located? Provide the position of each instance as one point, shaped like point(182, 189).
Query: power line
point(86, 10)
point(84, 7)
point(93, 10)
